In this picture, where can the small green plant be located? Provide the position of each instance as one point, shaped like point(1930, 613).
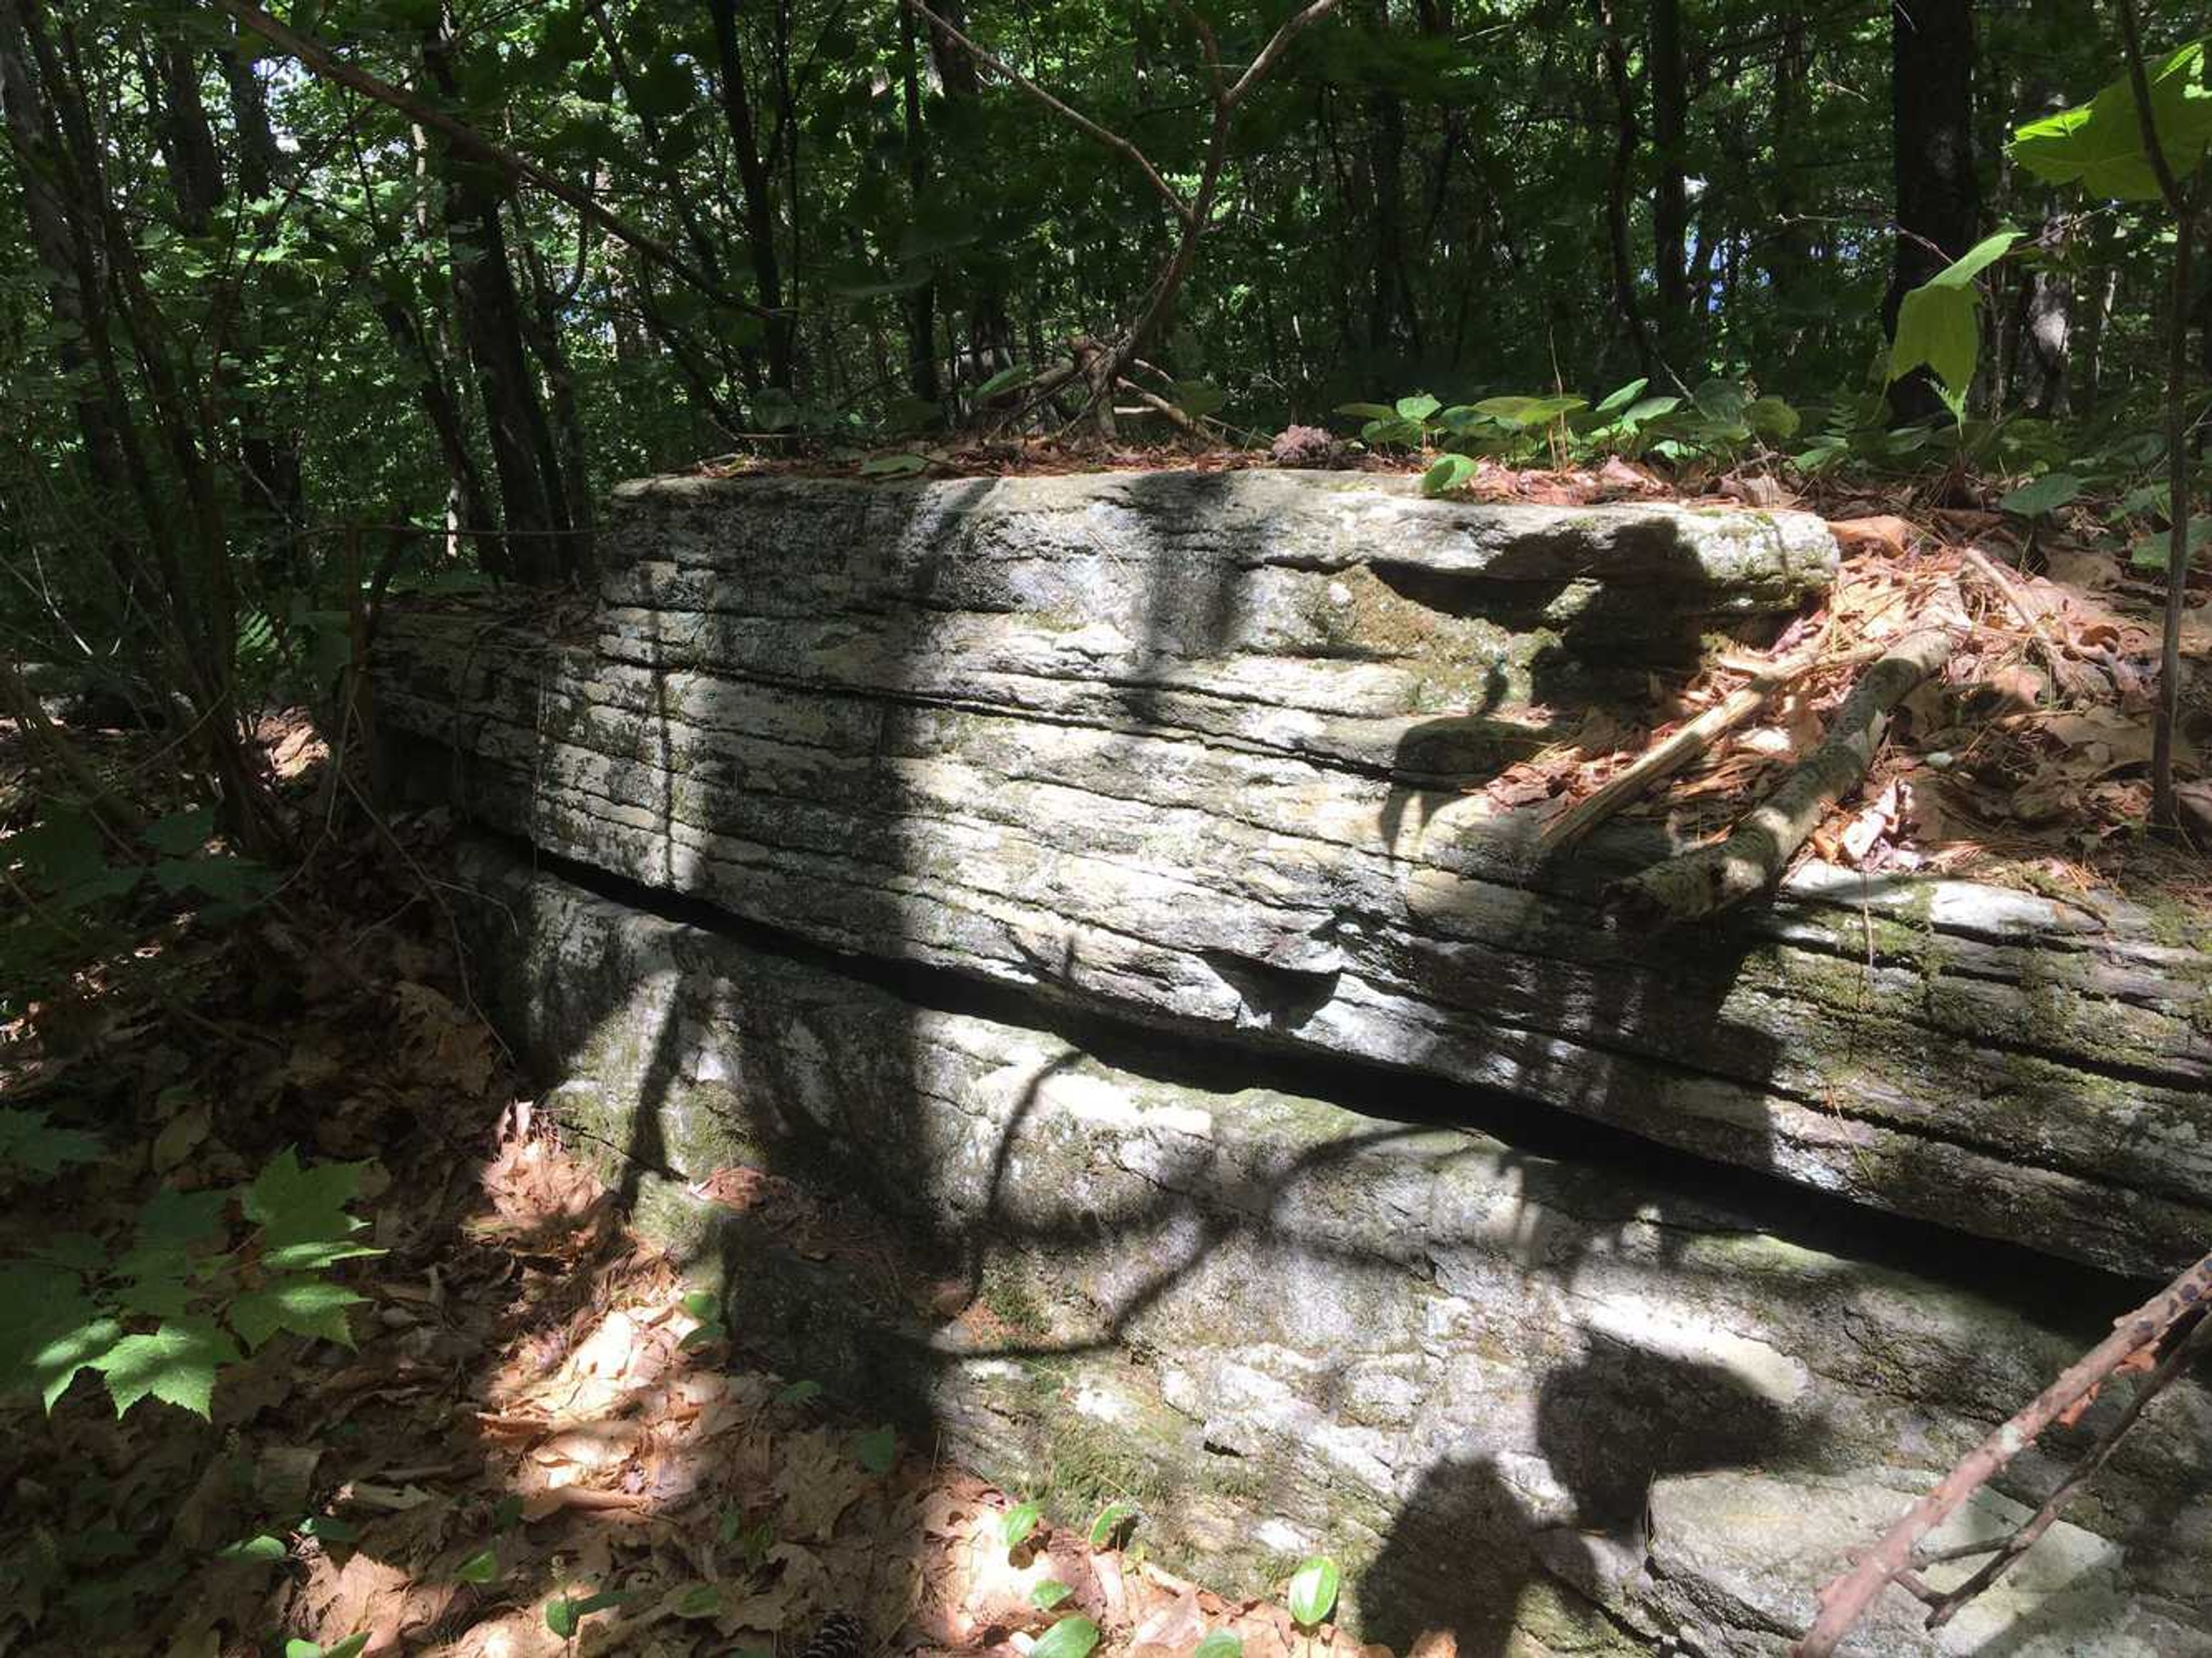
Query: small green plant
point(565, 1614)
point(877, 1449)
point(1019, 1524)
point(1112, 1521)
point(1220, 1643)
point(1049, 1593)
point(192, 1291)
point(1071, 1637)
point(352, 1647)
point(1313, 1591)
point(707, 1307)
point(480, 1568)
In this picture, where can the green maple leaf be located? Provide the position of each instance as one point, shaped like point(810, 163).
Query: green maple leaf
point(180, 1218)
point(49, 1330)
point(176, 1365)
point(313, 1256)
point(306, 1306)
point(29, 1142)
point(303, 1205)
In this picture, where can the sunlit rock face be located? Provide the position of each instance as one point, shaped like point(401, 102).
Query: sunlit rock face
point(1199, 750)
point(1092, 874)
point(1533, 1381)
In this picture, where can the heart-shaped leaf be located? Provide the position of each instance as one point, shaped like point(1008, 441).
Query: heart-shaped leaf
point(1313, 1590)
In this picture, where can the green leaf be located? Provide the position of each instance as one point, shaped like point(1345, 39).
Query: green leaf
point(2045, 495)
point(313, 1257)
point(1049, 1593)
point(1006, 379)
point(1936, 324)
point(49, 1330)
point(1313, 1590)
point(329, 1528)
point(352, 1647)
point(1723, 402)
point(175, 1364)
point(263, 1547)
point(482, 1567)
point(1109, 1524)
point(1419, 407)
point(1017, 1523)
point(1449, 472)
point(877, 1450)
point(2100, 143)
point(563, 1617)
point(1367, 410)
point(1612, 403)
point(1218, 1643)
point(1071, 1637)
point(305, 1306)
point(2155, 552)
point(899, 465)
point(181, 833)
point(32, 1145)
point(703, 1335)
point(704, 1305)
point(180, 1219)
point(506, 1513)
point(1772, 419)
point(1521, 413)
point(1650, 408)
point(799, 1393)
point(303, 1205)
point(699, 1600)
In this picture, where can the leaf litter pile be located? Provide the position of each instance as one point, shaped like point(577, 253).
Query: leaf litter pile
point(533, 1440)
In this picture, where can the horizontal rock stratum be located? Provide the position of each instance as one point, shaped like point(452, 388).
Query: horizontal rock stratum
point(1196, 750)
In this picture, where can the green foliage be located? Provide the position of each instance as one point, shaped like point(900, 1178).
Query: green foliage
point(2045, 495)
point(1938, 324)
point(1313, 1590)
point(31, 1145)
point(159, 1316)
point(352, 1647)
point(1110, 1522)
point(1049, 1593)
point(1018, 1523)
point(2100, 145)
point(1218, 1643)
point(1071, 1637)
point(877, 1449)
point(565, 1615)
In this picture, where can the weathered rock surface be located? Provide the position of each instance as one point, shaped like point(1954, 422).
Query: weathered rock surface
point(1559, 1391)
point(1194, 749)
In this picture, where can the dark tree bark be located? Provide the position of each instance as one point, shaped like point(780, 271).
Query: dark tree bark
point(1670, 206)
point(753, 175)
point(990, 328)
point(1615, 53)
point(1938, 198)
point(919, 307)
point(534, 503)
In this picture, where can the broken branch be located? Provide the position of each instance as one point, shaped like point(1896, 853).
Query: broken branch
point(1755, 855)
point(1681, 746)
point(1892, 1559)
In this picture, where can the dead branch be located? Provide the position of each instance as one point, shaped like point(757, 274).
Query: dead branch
point(1979, 564)
point(1679, 747)
point(1195, 211)
point(1755, 855)
point(1895, 1559)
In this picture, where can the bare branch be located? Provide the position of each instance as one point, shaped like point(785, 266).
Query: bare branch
point(1891, 1560)
point(1297, 25)
point(1076, 118)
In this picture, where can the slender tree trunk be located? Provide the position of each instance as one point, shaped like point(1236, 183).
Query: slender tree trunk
point(1614, 53)
point(1670, 206)
point(1938, 198)
point(920, 307)
point(533, 504)
point(759, 196)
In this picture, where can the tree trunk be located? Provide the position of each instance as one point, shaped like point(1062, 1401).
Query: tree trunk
point(1938, 198)
point(753, 174)
point(1616, 55)
point(919, 307)
point(1670, 206)
point(534, 503)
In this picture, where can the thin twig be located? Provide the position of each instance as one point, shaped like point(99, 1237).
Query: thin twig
point(1845, 1601)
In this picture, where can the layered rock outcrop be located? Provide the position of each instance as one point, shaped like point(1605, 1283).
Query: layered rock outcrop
point(1088, 871)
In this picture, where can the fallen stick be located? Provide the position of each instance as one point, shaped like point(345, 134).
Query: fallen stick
point(1893, 1560)
point(1756, 853)
point(2008, 589)
point(1682, 746)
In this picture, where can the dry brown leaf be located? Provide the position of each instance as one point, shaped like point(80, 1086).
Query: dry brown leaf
point(1884, 533)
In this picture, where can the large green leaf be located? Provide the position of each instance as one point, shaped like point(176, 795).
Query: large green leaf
point(305, 1306)
point(303, 1205)
point(30, 1145)
point(1071, 1637)
point(2100, 142)
point(1936, 324)
point(1313, 1590)
point(176, 1365)
point(49, 1330)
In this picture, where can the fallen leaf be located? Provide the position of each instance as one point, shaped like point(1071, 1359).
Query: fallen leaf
point(1885, 534)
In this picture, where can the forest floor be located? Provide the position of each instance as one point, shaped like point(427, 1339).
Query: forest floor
point(534, 1419)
